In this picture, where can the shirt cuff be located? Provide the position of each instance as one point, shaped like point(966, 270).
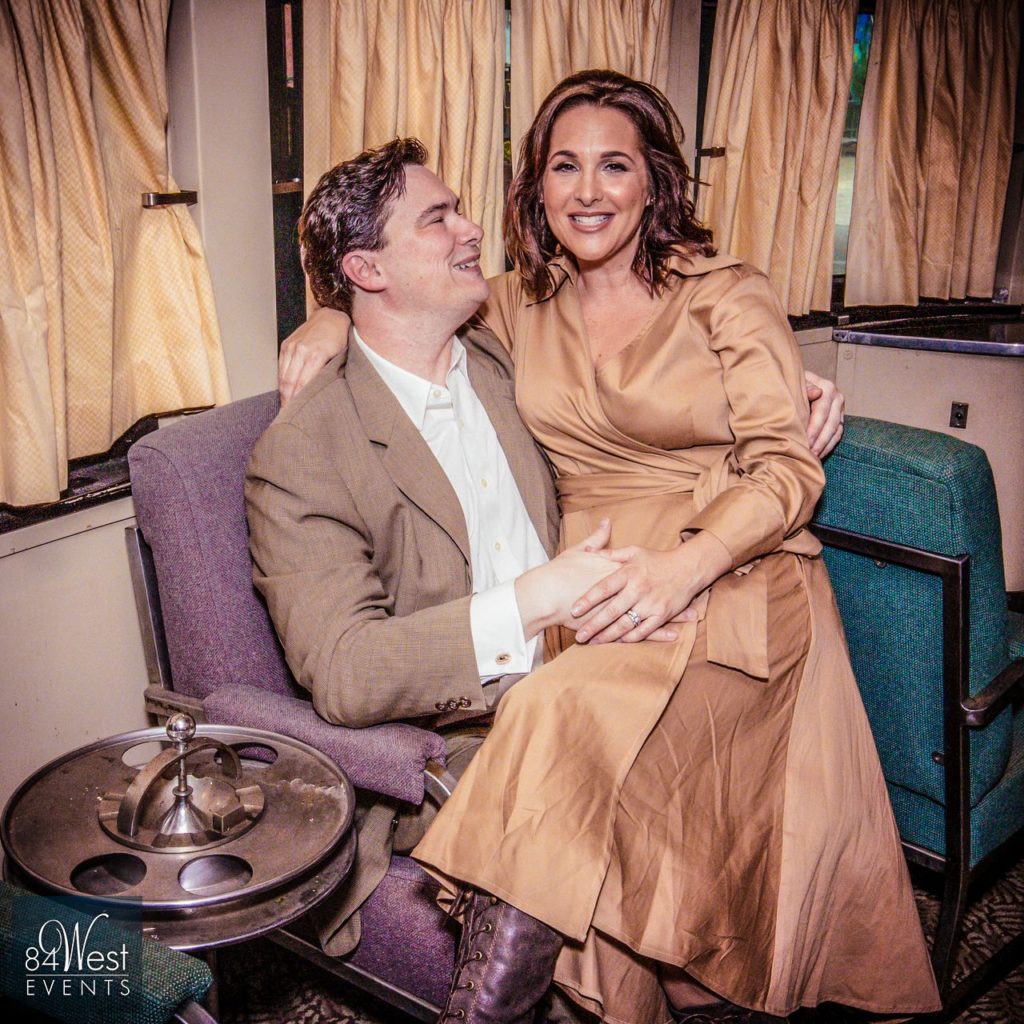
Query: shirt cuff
point(497, 630)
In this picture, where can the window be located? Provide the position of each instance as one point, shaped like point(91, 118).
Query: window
point(848, 154)
point(284, 74)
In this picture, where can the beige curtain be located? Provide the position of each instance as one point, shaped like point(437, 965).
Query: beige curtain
point(933, 150)
point(778, 89)
point(106, 313)
point(432, 69)
point(1010, 266)
point(555, 38)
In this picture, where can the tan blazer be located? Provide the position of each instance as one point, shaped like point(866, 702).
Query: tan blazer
point(360, 546)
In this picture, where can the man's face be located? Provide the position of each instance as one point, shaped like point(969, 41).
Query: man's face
point(431, 254)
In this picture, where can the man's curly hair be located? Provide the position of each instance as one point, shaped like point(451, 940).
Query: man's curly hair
point(347, 210)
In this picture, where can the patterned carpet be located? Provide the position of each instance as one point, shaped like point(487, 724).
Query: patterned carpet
point(260, 983)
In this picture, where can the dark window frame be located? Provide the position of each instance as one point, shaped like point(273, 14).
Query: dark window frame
point(284, 79)
point(92, 479)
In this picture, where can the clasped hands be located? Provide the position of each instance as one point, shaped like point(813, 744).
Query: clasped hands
point(657, 586)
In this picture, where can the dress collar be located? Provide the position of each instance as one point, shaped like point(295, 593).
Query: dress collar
point(563, 268)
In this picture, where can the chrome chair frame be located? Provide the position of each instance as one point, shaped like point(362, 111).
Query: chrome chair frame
point(962, 713)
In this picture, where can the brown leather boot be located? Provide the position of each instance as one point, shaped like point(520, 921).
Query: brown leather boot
point(504, 964)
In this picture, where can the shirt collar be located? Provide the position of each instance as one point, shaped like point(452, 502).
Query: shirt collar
point(414, 394)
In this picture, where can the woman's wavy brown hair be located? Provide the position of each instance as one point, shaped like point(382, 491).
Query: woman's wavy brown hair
point(668, 224)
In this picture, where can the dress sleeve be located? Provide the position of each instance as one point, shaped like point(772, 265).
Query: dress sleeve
point(500, 312)
point(779, 479)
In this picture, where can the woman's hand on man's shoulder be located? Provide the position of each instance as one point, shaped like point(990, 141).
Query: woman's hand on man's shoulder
point(828, 404)
point(309, 348)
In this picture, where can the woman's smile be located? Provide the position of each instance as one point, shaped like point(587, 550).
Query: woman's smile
point(588, 221)
point(596, 185)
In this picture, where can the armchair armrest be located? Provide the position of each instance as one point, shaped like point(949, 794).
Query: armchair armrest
point(980, 709)
point(438, 782)
point(389, 759)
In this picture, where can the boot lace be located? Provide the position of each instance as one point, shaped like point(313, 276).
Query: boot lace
point(477, 956)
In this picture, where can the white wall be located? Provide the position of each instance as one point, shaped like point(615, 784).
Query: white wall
point(71, 662)
point(818, 351)
point(918, 388)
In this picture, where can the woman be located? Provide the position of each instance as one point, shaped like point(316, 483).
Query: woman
point(713, 805)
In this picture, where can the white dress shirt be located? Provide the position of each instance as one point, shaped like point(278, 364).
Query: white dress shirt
point(503, 543)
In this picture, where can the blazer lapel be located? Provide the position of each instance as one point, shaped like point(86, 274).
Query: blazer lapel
point(531, 472)
point(406, 456)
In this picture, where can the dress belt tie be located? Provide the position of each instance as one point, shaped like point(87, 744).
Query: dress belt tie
point(735, 606)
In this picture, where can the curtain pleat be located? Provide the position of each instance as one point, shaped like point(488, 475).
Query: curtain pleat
point(933, 151)
point(380, 69)
point(555, 38)
point(33, 440)
point(167, 350)
point(106, 311)
point(778, 88)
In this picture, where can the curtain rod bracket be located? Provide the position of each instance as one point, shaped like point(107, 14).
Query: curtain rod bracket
point(152, 200)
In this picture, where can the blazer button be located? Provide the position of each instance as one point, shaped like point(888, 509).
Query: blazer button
point(441, 705)
point(464, 702)
point(453, 705)
point(503, 659)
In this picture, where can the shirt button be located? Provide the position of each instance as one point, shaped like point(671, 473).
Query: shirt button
point(436, 393)
point(497, 545)
point(503, 659)
point(483, 481)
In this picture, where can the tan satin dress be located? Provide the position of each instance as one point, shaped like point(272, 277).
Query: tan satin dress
point(715, 803)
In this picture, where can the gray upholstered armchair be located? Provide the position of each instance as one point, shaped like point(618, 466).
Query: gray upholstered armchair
point(212, 650)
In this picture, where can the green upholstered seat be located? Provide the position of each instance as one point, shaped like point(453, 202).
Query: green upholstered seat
point(1015, 634)
point(931, 493)
point(128, 979)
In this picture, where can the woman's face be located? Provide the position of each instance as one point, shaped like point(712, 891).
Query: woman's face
point(595, 185)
